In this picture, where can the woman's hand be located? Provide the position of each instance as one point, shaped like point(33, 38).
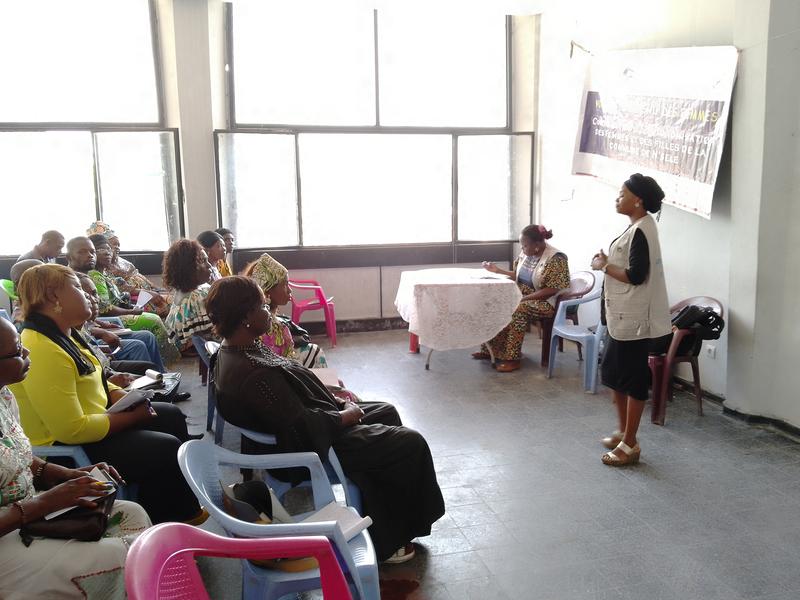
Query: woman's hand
point(123, 380)
point(599, 261)
point(351, 414)
point(64, 495)
point(490, 266)
point(112, 339)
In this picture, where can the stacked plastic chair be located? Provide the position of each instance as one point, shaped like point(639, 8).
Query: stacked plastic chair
point(200, 462)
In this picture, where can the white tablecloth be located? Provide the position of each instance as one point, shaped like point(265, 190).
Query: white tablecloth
point(455, 308)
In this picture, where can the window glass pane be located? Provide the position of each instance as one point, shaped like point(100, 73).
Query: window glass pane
point(375, 189)
point(259, 189)
point(493, 175)
point(442, 70)
point(87, 61)
point(47, 183)
point(138, 187)
point(295, 66)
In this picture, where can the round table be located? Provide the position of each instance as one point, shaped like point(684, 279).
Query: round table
point(455, 308)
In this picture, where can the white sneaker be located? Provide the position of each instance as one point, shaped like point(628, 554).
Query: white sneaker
point(403, 554)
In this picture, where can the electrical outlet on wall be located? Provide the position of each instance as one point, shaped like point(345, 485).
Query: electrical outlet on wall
point(711, 351)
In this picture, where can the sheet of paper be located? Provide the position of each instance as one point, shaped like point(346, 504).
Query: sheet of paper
point(97, 474)
point(144, 298)
point(328, 377)
point(129, 400)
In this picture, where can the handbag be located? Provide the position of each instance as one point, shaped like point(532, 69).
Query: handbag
point(81, 523)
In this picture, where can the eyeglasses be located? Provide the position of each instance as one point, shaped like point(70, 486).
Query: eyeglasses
point(17, 354)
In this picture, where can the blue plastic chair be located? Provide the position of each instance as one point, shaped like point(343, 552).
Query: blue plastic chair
point(203, 348)
point(200, 462)
point(590, 340)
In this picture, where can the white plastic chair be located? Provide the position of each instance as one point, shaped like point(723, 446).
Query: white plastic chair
point(200, 461)
point(590, 340)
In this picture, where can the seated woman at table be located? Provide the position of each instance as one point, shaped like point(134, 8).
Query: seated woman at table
point(64, 399)
point(541, 272)
point(273, 279)
point(186, 270)
point(31, 488)
point(391, 464)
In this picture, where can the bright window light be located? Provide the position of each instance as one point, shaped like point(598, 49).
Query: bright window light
point(375, 189)
point(47, 183)
point(89, 61)
point(138, 187)
point(442, 70)
point(301, 67)
point(492, 171)
point(259, 188)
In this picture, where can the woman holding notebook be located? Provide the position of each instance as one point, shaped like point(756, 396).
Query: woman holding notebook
point(65, 398)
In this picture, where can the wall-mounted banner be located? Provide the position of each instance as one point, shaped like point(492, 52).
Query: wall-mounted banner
point(660, 112)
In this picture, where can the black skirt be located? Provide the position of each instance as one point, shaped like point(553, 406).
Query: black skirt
point(625, 367)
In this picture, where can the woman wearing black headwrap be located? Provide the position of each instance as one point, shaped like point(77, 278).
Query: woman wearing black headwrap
point(635, 309)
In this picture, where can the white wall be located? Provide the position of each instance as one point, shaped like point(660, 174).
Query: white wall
point(580, 210)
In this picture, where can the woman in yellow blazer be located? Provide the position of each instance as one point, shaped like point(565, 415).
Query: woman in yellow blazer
point(64, 399)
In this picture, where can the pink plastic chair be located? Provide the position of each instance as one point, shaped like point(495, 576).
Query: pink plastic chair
point(318, 302)
point(161, 563)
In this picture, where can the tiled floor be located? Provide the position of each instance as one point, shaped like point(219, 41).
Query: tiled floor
point(713, 510)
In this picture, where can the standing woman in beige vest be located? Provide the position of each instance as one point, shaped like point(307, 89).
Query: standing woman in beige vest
point(541, 272)
point(635, 309)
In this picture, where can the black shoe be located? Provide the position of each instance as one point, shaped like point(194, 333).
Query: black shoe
point(182, 397)
point(199, 436)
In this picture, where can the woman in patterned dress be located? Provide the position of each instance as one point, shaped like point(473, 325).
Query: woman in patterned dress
point(187, 270)
point(541, 272)
point(273, 279)
point(51, 568)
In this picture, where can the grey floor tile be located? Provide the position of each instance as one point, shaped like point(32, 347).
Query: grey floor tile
point(713, 510)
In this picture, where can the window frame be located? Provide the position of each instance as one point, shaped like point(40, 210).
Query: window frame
point(296, 130)
point(98, 202)
point(155, 43)
point(95, 127)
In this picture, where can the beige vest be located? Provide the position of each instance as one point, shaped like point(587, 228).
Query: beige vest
point(538, 272)
point(635, 312)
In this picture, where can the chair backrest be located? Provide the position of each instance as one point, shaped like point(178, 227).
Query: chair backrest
point(309, 284)
point(580, 284)
point(704, 301)
point(161, 563)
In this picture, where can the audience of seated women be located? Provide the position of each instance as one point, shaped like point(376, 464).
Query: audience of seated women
point(31, 488)
point(64, 399)
point(257, 389)
point(541, 272)
point(84, 257)
point(215, 248)
point(273, 279)
point(186, 270)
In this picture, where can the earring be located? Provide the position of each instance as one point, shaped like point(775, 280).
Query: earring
point(247, 325)
point(637, 205)
point(58, 308)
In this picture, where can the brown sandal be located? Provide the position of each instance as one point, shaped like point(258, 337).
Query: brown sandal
point(481, 355)
point(506, 366)
point(630, 456)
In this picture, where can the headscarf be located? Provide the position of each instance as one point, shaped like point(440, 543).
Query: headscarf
point(102, 228)
point(268, 272)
